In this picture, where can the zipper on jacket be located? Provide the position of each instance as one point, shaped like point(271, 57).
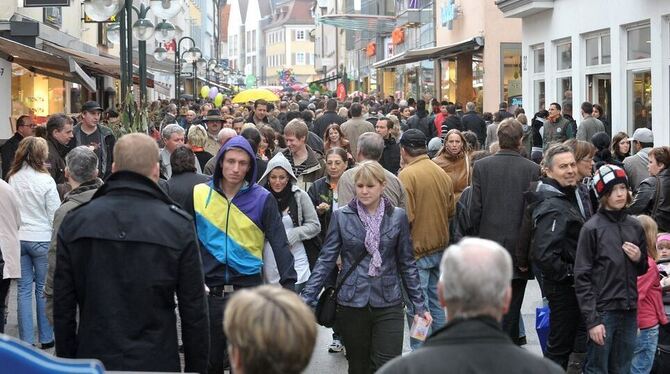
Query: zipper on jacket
point(227, 237)
point(618, 225)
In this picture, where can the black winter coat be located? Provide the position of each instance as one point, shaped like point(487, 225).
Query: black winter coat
point(453, 122)
point(121, 258)
point(8, 150)
point(475, 345)
point(391, 155)
point(605, 277)
point(645, 199)
point(321, 123)
point(423, 121)
point(473, 122)
point(556, 222)
point(180, 188)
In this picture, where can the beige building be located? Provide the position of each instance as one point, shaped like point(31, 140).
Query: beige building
point(288, 44)
point(483, 50)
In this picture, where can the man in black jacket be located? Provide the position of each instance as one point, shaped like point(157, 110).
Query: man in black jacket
point(422, 120)
point(391, 156)
point(123, 272)
point(24, 127)
point(474, 288)
point(452, 122)
point(472, 121)
point(329, 117)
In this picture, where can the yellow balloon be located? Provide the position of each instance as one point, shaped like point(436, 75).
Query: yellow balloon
point(204, 91)
point(218, 100)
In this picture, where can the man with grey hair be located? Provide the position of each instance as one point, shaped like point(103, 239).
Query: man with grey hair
point(173, 137)
point(81, 171)
point(472, 121)
point(370, 147)
point(475, 287)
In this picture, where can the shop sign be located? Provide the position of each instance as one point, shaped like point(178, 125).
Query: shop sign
point(514, 88)
point(398, 36)
point(44, 3)
point(371, 50)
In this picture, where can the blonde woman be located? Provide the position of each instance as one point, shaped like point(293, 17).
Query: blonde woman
point(197, 139)
point(39, 199)
point(373, 238)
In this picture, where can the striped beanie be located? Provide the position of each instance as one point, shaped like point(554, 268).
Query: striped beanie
point(606, 177)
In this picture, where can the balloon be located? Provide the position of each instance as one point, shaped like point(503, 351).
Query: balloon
point(213, 92)
point(204, 91)
point(218, 100)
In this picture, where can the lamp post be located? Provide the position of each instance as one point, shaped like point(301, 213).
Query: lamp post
point(192, 55)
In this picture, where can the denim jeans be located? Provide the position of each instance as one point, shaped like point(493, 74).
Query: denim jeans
point(429, 275)
point(645, 350)
point(33, 269)
point(616, 354)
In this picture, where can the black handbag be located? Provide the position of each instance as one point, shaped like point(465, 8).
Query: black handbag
point(326, 307)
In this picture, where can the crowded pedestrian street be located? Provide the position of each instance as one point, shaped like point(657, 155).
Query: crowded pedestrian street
point(334, 186)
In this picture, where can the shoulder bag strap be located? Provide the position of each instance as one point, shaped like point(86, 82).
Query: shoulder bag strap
point(351, 270)
point(656, 197)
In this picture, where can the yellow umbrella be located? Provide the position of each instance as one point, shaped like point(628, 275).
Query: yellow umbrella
point(255, 94)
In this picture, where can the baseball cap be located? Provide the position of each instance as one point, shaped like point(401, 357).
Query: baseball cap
point(91, 106)
point(413, 138)
point(643, 135)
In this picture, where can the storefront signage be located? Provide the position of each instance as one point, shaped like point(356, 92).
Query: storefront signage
point(44, 3)
point(398, 36)
point(448, 14)
point(371, 50)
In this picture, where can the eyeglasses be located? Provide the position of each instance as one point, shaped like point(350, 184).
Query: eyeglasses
point(32, 126)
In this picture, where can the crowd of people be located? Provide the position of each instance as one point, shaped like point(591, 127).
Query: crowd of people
point(378, 198)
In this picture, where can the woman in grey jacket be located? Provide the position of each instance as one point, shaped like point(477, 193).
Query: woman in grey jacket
point(370, 311)
point(298, 215)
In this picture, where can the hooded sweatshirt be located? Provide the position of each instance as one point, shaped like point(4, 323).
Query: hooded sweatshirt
point(232, 232)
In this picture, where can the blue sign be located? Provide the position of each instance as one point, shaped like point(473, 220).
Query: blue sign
point(448, 13)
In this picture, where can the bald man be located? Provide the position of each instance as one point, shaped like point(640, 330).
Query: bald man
point(224, 135)
point(125, 270)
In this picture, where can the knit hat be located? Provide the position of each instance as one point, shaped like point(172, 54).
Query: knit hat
point(606, 177)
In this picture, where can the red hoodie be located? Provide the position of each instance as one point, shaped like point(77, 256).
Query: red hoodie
point(650, 310)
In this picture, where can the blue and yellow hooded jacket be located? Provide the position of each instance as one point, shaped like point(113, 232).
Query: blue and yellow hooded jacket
point(232, 233)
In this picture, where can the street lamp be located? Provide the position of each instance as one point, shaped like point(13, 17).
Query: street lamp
point(165, 31)
point(143, 29)
point(160, 53)
point(166, 8)
point(191, 56)
point(102, 10)
point(114, 33)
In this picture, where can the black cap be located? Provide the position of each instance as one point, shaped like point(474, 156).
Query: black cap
point(91, 106)
point(413, 138)
point(213, 115)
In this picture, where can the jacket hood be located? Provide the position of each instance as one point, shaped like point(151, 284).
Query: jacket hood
point(541, 191)
point(84, 192)
point(278, 161)
point(239, 143)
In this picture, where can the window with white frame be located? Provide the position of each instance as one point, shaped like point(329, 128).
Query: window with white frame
point(638, 74)
point(598, 49)
point(300, 58)
point(299, 34)
point(539, 92)
point(564, 72)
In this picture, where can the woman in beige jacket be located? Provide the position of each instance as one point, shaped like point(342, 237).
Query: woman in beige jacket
point(454, 160)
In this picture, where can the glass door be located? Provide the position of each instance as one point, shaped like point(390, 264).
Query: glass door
point(599, 91)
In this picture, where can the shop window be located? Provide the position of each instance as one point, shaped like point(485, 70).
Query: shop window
point(564, 92)
point(448, 81)
point(639, 43)
point(639, 99)
point(539, 89)
point(564, 56)
point(538, 57)
point(605, 49)
point(592, 55)
point(511, 73)
point(36, 94)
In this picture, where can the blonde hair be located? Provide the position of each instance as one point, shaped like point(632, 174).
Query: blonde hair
point(32, 151)
point(370, 172)
point(249, 125)
point(296, 127)
point(197, 136)
point(272, 329)
point(650, 233)
point(136, 152)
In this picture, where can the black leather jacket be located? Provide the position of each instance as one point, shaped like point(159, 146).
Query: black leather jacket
point(605, 277)
point(645, 199)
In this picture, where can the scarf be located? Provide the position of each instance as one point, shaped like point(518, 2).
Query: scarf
point(283, 197)
point(372, 225)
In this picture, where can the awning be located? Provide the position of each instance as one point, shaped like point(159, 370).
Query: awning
point(430, 53)
point(221, 86)
point(360, 22)
point(45, 63)
point(327, 79)
point(100, 64)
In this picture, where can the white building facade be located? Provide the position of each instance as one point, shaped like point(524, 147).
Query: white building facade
point(612, 52)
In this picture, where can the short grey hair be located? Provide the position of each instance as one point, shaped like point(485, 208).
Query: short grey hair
point(475, 275)
point(171, 108)
point(370, 145)
point(554, 150)
point(470, 106)
point(82, 164)
point(172, 129)
point(225, 133)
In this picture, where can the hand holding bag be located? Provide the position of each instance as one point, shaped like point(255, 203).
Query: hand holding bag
point(327, 305)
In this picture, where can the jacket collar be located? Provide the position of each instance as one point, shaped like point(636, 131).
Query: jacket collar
point(508, 152)
point(353, 207)
point(86, 186)
point(125, 181)
point(418, 159)
point(462, 329)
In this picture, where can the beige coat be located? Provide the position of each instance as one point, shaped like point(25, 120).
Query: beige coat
point(10, 221)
